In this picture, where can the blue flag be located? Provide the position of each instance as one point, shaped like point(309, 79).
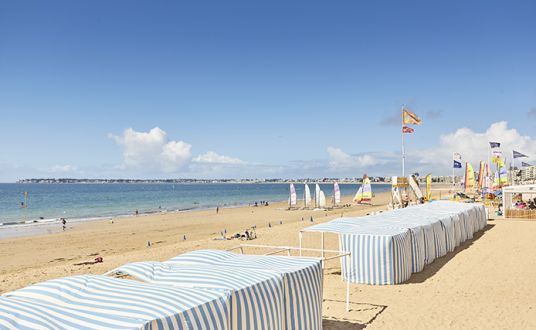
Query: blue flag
point(457, 158)
point(517, 154)
point(495, 145)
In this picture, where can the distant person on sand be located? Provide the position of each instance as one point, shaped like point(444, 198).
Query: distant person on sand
point(217, 210)
point(64, 223)
point(137, 212)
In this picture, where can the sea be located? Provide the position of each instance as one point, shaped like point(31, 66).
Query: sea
point(48, 203)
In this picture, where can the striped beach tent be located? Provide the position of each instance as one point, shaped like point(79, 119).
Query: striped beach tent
point(434, 229)
point(149, 306)
point(379, 254)
point(256, 295)
point(17, 314)
point(303, 279)
point(417, 234)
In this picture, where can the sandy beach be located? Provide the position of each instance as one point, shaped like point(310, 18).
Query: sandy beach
point(485, 283)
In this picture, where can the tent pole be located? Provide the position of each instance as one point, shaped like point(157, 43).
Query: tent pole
point(322, 243)
point(348, 282)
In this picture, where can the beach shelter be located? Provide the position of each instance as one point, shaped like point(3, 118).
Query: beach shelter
point(21, 314)
point(147, 306)
point(256, 295)
point(379, 243)
point(418, 234)
point(379, 255)
point(303, 280)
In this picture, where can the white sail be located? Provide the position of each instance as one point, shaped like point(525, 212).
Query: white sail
point(292, 198)
point(317, 195)
point(307, 196)
point(336, 194)
point(322, 199)
point(415, 186)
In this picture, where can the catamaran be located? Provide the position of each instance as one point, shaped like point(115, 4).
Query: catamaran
point(322, 200)
point(336, 194)
point(306, 197)
point(292, 200)
point(364, 193)
point(469, 182)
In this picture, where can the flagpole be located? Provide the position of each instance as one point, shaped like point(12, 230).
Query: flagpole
point(403, 149)
point(452, 171)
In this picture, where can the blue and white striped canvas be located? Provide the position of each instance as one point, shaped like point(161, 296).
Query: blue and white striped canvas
point(151, 306)
point(435, 229)
point(303, 281)
point(380, 254)
point(17, 314)
point(257, 295)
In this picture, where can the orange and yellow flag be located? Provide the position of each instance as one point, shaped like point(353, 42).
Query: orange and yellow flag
point(409, 117)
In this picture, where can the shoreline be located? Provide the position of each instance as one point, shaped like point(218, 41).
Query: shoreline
point(55, 253)
point(12, 229)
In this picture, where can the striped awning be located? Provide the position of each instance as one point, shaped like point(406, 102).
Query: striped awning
point(256, 295)
point(144, 306)
point(303, 279)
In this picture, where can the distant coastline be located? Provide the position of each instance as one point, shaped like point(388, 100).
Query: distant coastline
point(373, 179)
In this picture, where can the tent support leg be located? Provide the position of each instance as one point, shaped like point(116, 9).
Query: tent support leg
point(322, 243)
point(348, 261)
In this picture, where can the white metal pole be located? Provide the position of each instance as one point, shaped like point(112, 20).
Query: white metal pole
point(453, 172)
point(403, 157)
point(322, 243)
point(348, 263)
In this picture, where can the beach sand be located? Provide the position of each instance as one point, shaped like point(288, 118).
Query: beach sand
point(485, 283)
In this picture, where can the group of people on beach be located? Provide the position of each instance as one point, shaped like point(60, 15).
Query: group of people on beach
point(248, 234)
point(261, 203)
point(521, 204)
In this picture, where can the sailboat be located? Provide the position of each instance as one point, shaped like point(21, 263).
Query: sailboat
point(306, 197)
point(484, 178)
point(364, 193)
point(317, 195)
point(292, 200)
point(322, 200)
point(469, 182)
point(336, 194)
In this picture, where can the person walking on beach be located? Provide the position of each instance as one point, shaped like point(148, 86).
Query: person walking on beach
point(217, 209)
point(64, 223)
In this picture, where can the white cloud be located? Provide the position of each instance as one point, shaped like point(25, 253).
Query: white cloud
point(340, 160)
point(63, 169)
point(213, 158)
point(152, 151)
point(474, 146)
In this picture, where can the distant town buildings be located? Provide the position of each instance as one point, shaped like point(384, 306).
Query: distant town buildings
point(374, 179)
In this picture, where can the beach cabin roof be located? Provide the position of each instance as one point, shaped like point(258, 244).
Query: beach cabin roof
point(521, 189)
point(303, 279)
point(256, 295)
point(145, 305)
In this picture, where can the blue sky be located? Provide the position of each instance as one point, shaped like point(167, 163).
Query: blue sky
point(259, 89)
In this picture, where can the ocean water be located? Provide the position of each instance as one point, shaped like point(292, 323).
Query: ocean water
point(48, 202)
